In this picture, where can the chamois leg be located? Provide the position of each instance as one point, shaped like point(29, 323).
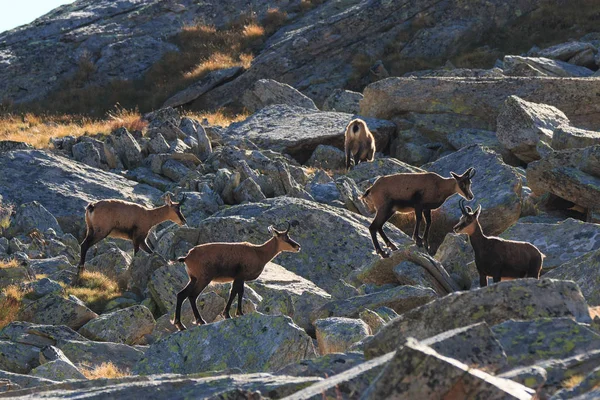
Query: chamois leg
point(240, 292)
point(419, 217)
point(483, 280)
point(235, 287)
point(427, 215)
point(534, 269)
point(348, 159)
point(497, 278)
point(90, 239)
point(387, 241)
point(143, 244)
point(193, 296)
point(181, 296)
point(383, 214)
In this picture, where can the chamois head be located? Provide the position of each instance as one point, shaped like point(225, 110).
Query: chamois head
point(284, 241)
point(175, 214)
point(467, 221)
point(463, 183)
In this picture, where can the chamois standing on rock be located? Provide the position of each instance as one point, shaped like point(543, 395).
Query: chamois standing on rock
point(497, 257)
point(405, 192)
point(122, 219)
point(227, 262)
point(359, 143)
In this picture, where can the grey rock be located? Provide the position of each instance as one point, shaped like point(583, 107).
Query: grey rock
point(30, 175)
point(158, 144)
point(565, 51)
point(410, 273)
point(336, 335)
point(474, 345)
point(164, 284)
point(587, 388)
point(93, 354)
point(266, 92)
point(401, 299)
point(145, 175)
point(44, 286)
point(457, 256)
point(20, 381)
point(343, 101)
point(262, 343)
point(32, 216)
point(174, 170)
point(533, 377)
point(560, 242)
point(326, 193)
point(481, 99)
point(50, 266)
point(583, 270)
point(58, 370)
point(87, 153)
point(545, 66)
point(374, 320)
point(381, 166)
point(38, 335)
point(248, 192)
point(327, 157)
point(498, 187)
point(17, 357)
point(195, 130)
point(350, 194)
point(327, 254)
point(418, 372)
point(519, 299)
point(55, 310)
point(126, 326)
point(11, 145)
point(197, 89)
point(528, 342)
point(569, 137)
point(324, 366)
point(298, 131)
point(522, 125)
point(113, 263)
point(126, 148)
point(573, 175)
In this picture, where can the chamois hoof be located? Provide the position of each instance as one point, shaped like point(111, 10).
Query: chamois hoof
point(383, 254)
point(199, 322)
point(179, 326)
point(392, 247)
point(227, 316)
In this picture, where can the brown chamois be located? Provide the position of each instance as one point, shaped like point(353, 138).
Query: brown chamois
point(421, 192)
point(497, 257)
point(359, 143)
point(227, 262)
point(122, 219)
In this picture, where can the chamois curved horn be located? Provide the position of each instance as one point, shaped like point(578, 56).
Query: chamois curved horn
point(472, 174)
point(288, 228)
point(461, 204)
point(183, 198)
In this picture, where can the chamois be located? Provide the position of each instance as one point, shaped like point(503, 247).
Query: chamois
point(227, 262)
point(359, 143)
point(497, 257)
point(118, 218)
point(405, 192)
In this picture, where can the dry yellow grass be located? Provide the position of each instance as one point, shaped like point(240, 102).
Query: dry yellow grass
point(219, 117)
point(8, 264)
point(253, 30)
point(104, 370)
point(595, 312)
point(95, 290)
point(10, 304)
point(572, 381)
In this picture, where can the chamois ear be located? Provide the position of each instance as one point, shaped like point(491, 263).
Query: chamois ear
point(272, 230)
point(455, 176)
point(168, 200)
point(469, 209)
point(478, 211)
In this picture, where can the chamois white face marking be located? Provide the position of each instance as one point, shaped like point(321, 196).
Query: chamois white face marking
point(466, 224)
point(285, 242)
point(463, 183)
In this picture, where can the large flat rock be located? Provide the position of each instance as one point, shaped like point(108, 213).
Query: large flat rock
point(481, 98)
point(298, 131)
point(63, 186)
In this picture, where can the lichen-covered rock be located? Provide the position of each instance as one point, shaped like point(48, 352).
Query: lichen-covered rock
point(141, 269)
point(586, 389)
point(39, 288)
point(533, 377)
point(573, 175)
point(327, 157)
point(523, 299)
point(370, 171)
point(127, 326)
point(29, 175)
point(14, 275)
point(157, 144)
point(324, 366)
point(374, 320)
point(343, 101)
point(410, 273)
point(266, 92)
point(399, 299)
point(58, 370)
point(88, 153)
point(164, 284)
point(286, 293)
point(570, 137)
point(93, 354)
point(31, 216)
point(583, 270)
point(418, 372)
point(248, 192)
point(196, 131)
point(565, 51)
point(21, 381)
point(261, 343)
point(474, 345)
point(522, 125)
point(113, 263)
point(38, 335)
point(350, 194)
point(336, 335)
point(126, 148)
point(328, 252)
point(55, 310)
point(545, 67)
point(298, 131)
point(18, 357)
point(457, 256)
point(528, 342)
point(560, 242)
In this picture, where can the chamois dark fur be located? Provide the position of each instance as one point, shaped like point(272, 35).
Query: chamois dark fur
point(359, 143)
point(122, 219)
point(419, 192)
point(227, 262)
point(497, 257)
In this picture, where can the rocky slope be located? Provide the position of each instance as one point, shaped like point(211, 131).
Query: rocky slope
point(333, 320)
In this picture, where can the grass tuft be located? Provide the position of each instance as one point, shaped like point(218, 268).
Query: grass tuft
point(104, 370)
point(572, 381)
point(9, 264)
point(95, 290)
point(10, 304)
